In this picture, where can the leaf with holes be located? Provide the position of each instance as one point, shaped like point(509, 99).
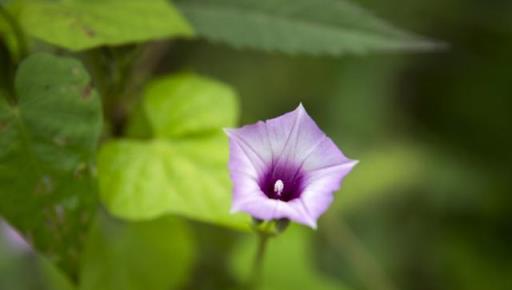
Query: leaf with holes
point(47, 145)
point(82, 24)
point(332, 27)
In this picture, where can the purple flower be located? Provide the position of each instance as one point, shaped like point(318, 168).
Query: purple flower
point(14, 239)
point(285, 167)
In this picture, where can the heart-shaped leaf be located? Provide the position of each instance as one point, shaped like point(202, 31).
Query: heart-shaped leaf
point(47, 145)
point(183, 169)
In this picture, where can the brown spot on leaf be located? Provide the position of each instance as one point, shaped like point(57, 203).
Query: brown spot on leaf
point(87, 92)
point(89, 32)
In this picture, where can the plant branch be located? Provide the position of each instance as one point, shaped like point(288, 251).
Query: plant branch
point(257, 266)
point(17, 31)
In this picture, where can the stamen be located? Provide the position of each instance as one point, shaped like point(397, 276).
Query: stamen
point(278, 187)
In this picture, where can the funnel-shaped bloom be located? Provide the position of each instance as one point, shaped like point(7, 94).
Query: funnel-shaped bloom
point(285, 167)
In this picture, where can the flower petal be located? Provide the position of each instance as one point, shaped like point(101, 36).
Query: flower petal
point(293, 135)
point(15, 240)
point(244, 167)
point(303, 215)
point(324, 155)
point(264, 208)
point(295, 140)
point(320, 186)
point(249, 147)
point(241, 161)
point(289, 137)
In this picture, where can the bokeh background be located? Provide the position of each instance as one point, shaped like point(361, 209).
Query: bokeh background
point(430, 204)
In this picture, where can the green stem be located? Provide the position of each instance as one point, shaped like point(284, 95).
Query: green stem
point(110, 74)
point(258, 260)
point(16, 29)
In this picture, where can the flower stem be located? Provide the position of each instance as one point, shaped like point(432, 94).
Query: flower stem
point(257, 268)
point(17, 32)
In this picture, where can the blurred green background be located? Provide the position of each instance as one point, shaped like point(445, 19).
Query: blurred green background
point(432, 132)
point(430, 204)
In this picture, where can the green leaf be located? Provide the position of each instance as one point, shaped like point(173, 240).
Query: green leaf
point(288, 262)
point(47, 145)
point(52, 276)
point(18, 261)
point(297, 26)
point(183, 170)
point(83, 24)
point(189, 103)
point(156, 255)
point(142, 180)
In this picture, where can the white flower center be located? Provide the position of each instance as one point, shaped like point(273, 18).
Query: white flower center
point(278, 187)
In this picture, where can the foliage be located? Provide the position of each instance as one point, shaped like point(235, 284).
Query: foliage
point(82, 24)
point(163, 259)
point(302, 26)
point(182, 168)
point(291, 252)
point(48, 144)
point(113, 166)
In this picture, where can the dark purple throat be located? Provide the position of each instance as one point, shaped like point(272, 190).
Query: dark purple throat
point(283, 182)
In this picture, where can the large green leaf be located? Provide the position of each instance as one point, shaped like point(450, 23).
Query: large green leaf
point(82, 24)
point(297, 26)
point(288, 263)
point(143, 180)
point(47, 145)
point(188, 102)
point(156, 255)
point(52, 276)
point(183, 170)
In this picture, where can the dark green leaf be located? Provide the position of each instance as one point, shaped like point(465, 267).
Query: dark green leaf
point(297, 26)
point(47, 145)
